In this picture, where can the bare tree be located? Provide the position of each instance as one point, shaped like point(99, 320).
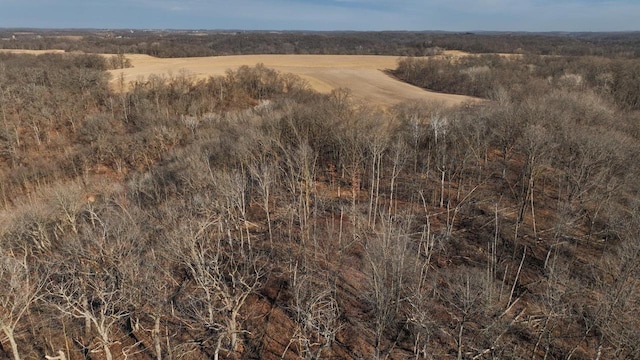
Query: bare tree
point(553, 306)
point(231, 202)
point(536, 144)
point(149, 284)
point(266, 176)
point(224, 277)
point(87, 281)
point(377, 143)
point(316, 314)
point(100, 308)
point(613, 319)
point(299, 170)
point(389, 260)
point(594, 162)
point(19, 290)
point(421, 318)
point(464, 291)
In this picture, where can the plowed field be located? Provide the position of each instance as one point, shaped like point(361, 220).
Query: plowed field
point(364, 75)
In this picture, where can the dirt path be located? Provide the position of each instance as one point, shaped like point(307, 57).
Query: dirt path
point(364, 75)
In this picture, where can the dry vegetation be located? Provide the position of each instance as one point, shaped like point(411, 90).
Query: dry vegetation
point(247, 216)
point(363, 74)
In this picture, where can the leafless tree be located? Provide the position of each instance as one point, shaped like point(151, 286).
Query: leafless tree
point(316, 314)
point(20, 288)
point(377, 143)
point(613, 317)
point(464, 291)
point(553, 305)
point(594, 163)
point(421, 317)
point(536, 145)
point(149, 285)
point(224, 276)
point(231, 202)
point(100, 307)
point(266, 176)
point(299, 172)
point(87, 281)
point(389, 259)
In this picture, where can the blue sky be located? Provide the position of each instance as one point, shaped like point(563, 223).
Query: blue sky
point(452, 15)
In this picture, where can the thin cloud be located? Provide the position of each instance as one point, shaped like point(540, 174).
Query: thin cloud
point(455, 15)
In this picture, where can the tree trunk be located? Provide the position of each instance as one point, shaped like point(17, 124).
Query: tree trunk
point(156, 338)
point(442, 189)
point(460, 341)
point(233, 330)
point(533, 211)
point(266, 209)
point(107, 352)
point(8, 332)
point(216, 353)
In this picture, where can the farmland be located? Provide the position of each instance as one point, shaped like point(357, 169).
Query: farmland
point(363, 75)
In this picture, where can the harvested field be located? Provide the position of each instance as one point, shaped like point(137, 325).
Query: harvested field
point(31, 52)
point(364, 75)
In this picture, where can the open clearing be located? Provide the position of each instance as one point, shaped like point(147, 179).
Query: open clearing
point(363, 74)
point(31, 52)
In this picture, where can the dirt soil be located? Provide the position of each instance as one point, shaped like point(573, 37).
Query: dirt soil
point(363, 74)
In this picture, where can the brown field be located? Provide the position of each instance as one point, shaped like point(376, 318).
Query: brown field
point(31, 52)
point(364, 75)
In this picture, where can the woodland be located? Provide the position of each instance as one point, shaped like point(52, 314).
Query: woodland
point(247, 216)
point(183, 43)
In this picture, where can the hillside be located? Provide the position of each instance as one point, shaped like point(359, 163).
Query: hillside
point(363, 75)
point(249, 216)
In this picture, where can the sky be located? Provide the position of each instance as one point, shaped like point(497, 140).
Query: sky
point(448, 15)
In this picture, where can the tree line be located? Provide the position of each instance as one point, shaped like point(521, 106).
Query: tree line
point(521, 76)
point(399, 43)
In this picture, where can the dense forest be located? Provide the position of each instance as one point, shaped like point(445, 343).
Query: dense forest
point(401, 43)
point(249, 217)
point(617, 80)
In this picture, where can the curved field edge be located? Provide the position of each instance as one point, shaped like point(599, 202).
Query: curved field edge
point(364, 75)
